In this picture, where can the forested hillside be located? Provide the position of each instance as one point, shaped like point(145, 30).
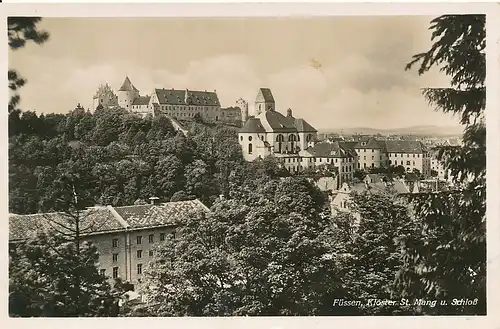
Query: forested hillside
point(118, 158)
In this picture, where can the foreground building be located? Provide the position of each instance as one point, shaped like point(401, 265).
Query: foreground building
point(124, 236)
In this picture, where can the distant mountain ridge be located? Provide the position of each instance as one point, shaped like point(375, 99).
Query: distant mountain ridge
point(428, 130)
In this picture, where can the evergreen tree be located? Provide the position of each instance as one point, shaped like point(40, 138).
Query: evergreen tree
point(21, 30)
point(450, 260)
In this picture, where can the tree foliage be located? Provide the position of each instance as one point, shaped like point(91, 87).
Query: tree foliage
point(115, 158)
point(42, 271)
point(450, 260)
point(274, 259)
point(21, 30)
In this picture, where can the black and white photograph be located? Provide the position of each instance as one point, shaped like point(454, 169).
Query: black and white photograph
point(247, 166)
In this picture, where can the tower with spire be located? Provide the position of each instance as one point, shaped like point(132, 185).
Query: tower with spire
point(127, 94)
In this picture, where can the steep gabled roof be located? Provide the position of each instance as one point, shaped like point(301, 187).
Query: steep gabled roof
point(303, 126)
point(277, 121)
point(267, 95)
point(128, 86)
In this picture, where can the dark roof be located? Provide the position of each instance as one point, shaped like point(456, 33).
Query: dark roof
point(404, 147)
point(303, 126)
point(141, 100)
point(277, 121)
point(100, 220)
point(194, 97)
point(140, 216)
point(348, 145)
point(253, 125)
point(371, 143)
point(127, 86)
point(267, 94)
point(329, 149)
point(94, 220)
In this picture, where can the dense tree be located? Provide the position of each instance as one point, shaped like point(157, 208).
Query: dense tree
point(274, 259)
point(375, 253)
point(42, 272)
point(450, 261)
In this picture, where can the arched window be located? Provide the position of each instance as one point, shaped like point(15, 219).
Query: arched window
point(292, 139)
point(280, 139)
point(250, 148)
point(309, 138)
point(250, 138)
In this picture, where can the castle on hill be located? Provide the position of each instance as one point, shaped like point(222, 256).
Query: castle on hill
point(179, 104)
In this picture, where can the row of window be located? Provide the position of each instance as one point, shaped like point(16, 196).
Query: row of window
point(138, 253)
point(151, 239)
point(116, 269)
point(401, 155)
point(408, 163)
point(197, 108)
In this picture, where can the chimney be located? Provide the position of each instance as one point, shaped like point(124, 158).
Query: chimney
point(289, 113)
point(154, 200)
point(186, 96)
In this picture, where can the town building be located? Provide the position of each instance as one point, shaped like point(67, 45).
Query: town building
point(124, 236)
point(371, 153)
point(409, 154)
point(331, 154)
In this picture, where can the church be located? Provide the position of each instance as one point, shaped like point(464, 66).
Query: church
point(292, 141)
point(269, 132)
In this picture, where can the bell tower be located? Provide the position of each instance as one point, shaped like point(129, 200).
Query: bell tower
point(264, 101)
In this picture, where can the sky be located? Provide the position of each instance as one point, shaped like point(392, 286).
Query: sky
point(362, 81)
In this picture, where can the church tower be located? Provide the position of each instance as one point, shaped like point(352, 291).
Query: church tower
point(264, 101)
point(127, 94)
point(243, 105)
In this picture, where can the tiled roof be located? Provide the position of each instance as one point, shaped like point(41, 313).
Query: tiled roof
point(253, 125)
point(372, 188)
point(348, 145)
point(371, 143)
point(139, 216)
point(127, 86)
point(267, 94)
point(141, 100)
point(194, 97)
point(303, 126)
point(277, 121)
point(404, 147)
point(98, 220)
point(94, 220)
point(327, 149)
